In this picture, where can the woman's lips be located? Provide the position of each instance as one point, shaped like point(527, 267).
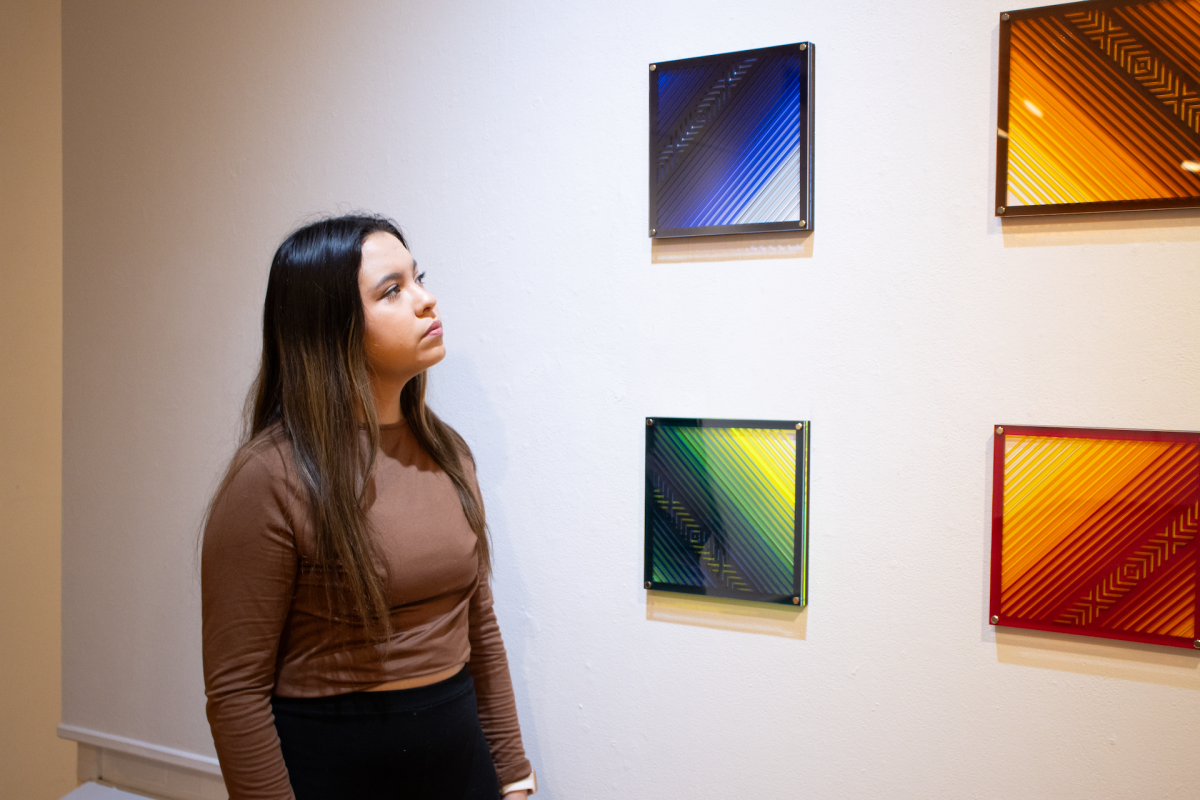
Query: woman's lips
point(434, 330)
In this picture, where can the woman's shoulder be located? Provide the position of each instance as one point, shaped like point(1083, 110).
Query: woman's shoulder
point(256, 510)
point(263, 463)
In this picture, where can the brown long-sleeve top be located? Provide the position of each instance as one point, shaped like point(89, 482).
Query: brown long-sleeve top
point(269, 628)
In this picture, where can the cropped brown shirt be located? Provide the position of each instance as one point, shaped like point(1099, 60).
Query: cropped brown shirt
point(269, 628)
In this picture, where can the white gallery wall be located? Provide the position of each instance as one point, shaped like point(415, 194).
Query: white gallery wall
point(509, 140)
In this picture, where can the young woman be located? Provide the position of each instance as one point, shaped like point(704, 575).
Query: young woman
point(350, 647)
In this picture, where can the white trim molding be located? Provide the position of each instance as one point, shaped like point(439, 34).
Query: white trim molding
point(151, 770)
point(134, 747)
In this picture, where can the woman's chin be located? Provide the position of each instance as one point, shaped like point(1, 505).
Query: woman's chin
point(434, 355)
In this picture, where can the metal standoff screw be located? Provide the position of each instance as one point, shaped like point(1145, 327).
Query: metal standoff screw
point(653, 231)
point(647, 584)
point(995, 619)
point(799, 426)
point(795, 601)
point(803, 223)
point(1000, 210)
point(653, 67)
point(649, 421)
point(1002, 16)
point(804, 47)
point(1196, 644)
point(999, 430)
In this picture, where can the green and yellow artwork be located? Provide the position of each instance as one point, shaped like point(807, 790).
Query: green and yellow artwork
point(727, 508)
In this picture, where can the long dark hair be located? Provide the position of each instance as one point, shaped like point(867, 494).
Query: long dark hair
point(314, 382)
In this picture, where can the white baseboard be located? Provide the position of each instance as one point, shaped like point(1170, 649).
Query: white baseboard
point(149, 769)
point(154, 752)
point(96, 791)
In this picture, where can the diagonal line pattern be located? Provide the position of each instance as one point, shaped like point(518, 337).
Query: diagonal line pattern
point(1099, 533)
point(696, 121)
point(1103, 105)
point(722, 505)
point(1167, 85)
point(1171, 27)
point(1139, 504)
point(734, 154)
point(1157, 549)
point(1165, 606)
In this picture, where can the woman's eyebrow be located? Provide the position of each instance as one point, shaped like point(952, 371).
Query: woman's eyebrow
point(391, 276)
point(395, 276)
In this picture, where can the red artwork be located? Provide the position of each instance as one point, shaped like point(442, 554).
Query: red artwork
point(1094, 532)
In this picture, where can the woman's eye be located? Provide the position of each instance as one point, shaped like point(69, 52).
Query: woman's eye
point(391, 292)
point(421, 278)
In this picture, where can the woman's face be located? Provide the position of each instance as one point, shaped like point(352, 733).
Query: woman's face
point(404, 335)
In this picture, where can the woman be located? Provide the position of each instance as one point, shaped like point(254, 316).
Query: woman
point(350, 647)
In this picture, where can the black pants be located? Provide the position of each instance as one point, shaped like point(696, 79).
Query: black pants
point(423, 743)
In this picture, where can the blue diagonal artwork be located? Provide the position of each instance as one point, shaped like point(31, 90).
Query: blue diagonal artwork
point(731, 143)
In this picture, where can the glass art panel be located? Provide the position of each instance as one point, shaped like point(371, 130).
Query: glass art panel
point(731, 142)
point(1093, 532)
point(1099, 108)
point(727, 508)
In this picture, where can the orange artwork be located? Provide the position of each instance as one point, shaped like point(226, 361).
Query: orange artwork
point(1099, 108)
point(1093, 532)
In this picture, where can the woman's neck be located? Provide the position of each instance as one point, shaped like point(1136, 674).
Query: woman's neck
point(387, 401)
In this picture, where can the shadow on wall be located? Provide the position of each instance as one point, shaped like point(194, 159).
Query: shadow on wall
point(1148, 663)
point(727, 615)
point(1128, 227)
point(732, 247)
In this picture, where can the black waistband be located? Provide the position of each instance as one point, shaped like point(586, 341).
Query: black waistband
point(390, 701)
